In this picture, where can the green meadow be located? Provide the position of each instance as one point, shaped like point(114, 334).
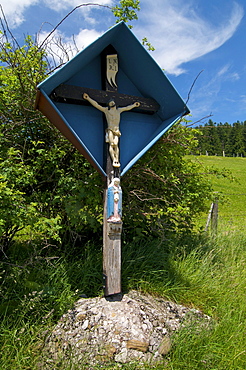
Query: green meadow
point(230, 189)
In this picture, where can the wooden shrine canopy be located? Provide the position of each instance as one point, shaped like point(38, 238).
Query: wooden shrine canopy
point(138, 75)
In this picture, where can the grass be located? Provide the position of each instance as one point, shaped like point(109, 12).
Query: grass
point(201, 271)
point(230, 190)
point(205, 273)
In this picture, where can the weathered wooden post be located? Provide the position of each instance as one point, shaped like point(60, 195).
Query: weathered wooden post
point(215, 213)
point(213, 216)
point(87, 100)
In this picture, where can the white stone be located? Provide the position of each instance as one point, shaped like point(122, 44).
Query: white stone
point(122, 356)
point(145, 327)
point(97, 317)
point(114, 324)
point(85, 325)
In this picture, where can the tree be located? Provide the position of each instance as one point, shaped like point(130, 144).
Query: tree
point(238, 145)
point(166, 189)
point(217, 139)
point(223, 132)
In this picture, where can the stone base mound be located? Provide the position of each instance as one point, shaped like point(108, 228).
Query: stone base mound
point(134, 327)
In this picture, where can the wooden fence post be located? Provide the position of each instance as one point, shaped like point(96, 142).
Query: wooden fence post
point(214, 219)
point(213, 216)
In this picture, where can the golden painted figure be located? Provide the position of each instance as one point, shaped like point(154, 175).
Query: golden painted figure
point(112, 114)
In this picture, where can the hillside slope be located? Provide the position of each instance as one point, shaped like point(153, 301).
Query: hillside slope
point(230, 190)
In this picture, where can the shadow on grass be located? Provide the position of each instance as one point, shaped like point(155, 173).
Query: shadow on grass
point(148, 264)
point(51, 282)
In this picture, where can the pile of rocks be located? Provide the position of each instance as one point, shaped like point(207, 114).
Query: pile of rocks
point(134, 327)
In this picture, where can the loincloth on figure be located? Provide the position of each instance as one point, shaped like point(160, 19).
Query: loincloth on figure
point(114, 132)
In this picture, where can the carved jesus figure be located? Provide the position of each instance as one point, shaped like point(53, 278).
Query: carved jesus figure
point(112, 114)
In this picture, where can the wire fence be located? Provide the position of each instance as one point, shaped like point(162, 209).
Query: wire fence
point(224, 214)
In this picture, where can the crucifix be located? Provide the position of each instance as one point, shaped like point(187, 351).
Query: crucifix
point(112, 104)
point(112, 114)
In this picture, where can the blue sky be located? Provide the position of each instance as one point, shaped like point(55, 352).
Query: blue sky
point(189, 36)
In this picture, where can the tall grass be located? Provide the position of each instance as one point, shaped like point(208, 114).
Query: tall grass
point(201, 272)
point(35, 293)
point(209, 274)
point(219, 283)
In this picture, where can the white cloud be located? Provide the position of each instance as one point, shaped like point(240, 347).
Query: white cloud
point(180, 35)
point(235, 76)
point(226, 73)
point(174, 27)
point(59, 5)
point(14, 10)
point(243, 99)
point(212, 94)
point(86, 37)
point(57, 45)
point(224, 70)
point(63, 48)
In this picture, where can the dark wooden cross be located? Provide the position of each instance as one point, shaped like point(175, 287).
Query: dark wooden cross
point(112, 225)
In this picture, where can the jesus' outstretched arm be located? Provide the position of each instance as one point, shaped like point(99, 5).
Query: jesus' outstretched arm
point(94, 103)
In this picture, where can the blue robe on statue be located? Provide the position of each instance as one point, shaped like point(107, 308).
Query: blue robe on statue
point(111, 202)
